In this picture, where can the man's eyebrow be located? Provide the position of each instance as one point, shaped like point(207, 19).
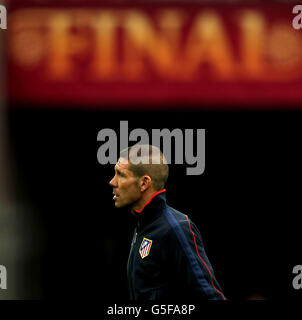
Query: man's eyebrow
point(117, 170)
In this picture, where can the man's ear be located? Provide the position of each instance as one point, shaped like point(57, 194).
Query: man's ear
point(145, 182)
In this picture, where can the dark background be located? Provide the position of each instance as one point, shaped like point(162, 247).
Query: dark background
point(246, 203)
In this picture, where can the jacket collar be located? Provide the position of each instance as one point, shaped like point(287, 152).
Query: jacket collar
point(152, 209)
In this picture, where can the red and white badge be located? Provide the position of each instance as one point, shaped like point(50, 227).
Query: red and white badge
point(145, 247)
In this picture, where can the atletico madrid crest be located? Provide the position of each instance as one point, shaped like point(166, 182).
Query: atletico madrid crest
point(145, 247)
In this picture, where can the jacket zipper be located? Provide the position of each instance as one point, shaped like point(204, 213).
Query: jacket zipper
point(130, 264)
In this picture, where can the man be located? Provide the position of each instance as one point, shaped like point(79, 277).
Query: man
point(167, 259)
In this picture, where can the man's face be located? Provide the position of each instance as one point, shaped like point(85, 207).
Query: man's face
point(125, 186)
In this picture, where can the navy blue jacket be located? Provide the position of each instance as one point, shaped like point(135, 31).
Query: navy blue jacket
point(167, 258)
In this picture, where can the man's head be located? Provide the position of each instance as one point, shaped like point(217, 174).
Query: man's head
point(140, 171)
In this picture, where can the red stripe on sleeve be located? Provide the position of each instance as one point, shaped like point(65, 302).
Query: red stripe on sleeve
point(203, 261)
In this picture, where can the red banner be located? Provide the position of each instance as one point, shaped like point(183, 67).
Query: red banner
point(154, 54)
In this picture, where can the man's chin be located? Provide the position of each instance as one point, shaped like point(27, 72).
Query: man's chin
point(119, 205)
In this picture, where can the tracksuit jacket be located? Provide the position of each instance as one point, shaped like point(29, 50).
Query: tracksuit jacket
point(167, 258)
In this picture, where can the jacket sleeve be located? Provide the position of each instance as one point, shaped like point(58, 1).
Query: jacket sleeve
point(188, 260)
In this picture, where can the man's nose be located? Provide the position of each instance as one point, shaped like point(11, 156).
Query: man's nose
point(113, 182)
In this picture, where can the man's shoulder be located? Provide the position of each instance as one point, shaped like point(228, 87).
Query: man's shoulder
point(176, 220)
point(180, 223)
point(169, 219)
point(175, 216)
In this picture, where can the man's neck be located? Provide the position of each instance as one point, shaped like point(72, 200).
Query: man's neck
point(143, 200)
